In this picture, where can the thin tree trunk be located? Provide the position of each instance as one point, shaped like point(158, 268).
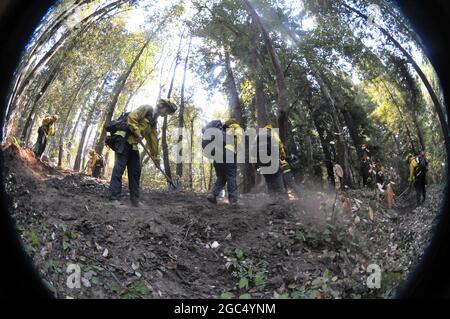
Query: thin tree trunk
point(80, 153)
point(191, 173)
point(31, 117)
point(211, 169)
point(341, 147)
point(419, 130)
point(64, 126)
point(402, 117)
point(165, 146)
point(181, 112)
point(354, 134)
point(120, 84)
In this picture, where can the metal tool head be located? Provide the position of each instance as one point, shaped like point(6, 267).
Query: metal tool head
point(175, 186)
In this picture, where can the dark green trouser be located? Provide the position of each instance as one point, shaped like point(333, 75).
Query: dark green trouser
point(275, 183)
point(41, 143)
point(126, 157)
point(420, 186)
point(96, 171)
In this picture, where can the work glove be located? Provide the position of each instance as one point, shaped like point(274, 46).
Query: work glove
point(139, 136)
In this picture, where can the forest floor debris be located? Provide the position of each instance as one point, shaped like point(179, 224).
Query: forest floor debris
point(183, 247)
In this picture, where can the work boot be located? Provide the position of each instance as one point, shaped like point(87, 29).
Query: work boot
point(136, 203)
point(117, 204)
point(234, 204)
point(212, 198)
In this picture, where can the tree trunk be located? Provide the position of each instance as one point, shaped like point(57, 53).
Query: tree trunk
point(165, 146)
point(64, 126)
point(80, 153)
point(29, 58)
point(437, 104)
point(419, 130)
point(191, 173)
point(233, 95)
point(341, 147)
point(354, 134)
point(118, 88)
point(83, 26)
point(181, 112)
point(31, 117)
point(402, 117)
point(211, 173)
point(279, 71)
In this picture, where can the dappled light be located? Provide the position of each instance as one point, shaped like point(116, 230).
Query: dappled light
point(114, 191)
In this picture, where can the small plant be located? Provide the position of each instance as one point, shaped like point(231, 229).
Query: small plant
point(138, 289)
point(248, 273)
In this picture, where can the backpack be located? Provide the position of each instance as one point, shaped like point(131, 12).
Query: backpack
point(216, 124)
point(120, 124)
point(100, 162)
point(422, 165)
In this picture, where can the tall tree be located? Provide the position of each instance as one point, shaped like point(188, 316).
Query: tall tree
point(279, 71)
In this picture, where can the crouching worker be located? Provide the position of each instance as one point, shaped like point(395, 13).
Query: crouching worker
point(126, 133)
point(226, 169)
point(45, 130)
point(95, 164)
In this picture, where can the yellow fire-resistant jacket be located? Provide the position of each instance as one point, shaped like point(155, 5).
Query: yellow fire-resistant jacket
point(48, 125)
point(235, 130)
point(412, 170)
point(93, 160)
point(138, 123)
point(282, 150)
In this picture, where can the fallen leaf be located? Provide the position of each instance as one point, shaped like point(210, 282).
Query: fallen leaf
point(86, 283)
point(215, 245)
point(105, 253)
point(371, 214)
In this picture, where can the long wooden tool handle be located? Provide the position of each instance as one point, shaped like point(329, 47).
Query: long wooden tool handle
point(158, 167)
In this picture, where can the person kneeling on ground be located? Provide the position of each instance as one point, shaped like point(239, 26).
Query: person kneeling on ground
point(95, 164)
point(45, 130)
point(226, 171)
point(141, 123)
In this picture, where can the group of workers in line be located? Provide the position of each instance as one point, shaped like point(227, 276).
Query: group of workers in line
point(142, 124)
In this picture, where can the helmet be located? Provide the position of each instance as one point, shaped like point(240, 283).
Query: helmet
point(409, 157)
point(91, 152)
point(230, 122)
point(172, 106)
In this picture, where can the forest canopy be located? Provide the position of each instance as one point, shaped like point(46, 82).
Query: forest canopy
point(336, 77)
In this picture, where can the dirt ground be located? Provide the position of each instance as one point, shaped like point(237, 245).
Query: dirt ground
point(180, 246)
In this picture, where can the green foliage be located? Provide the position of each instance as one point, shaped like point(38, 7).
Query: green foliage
point(250, 274)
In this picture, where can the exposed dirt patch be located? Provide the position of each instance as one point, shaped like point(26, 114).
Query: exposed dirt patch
point(169, 249)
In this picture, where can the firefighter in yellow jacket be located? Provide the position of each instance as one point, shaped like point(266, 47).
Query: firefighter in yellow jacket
point(46, 129)
point(142, 123)
point(283, 179)
point(417, 175)
point(95, 163)
point(226, 171)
